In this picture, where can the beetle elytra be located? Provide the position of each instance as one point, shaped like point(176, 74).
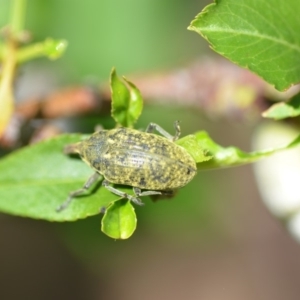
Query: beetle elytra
point(152, 164)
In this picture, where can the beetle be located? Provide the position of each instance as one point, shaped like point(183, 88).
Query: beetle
point(152, 164)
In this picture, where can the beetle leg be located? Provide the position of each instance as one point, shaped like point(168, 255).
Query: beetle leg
point(73, 194)
point(98, 127)
point(135, 200)
point(138, 192)
point(153, 126)
point(164, 195)
point(169, 193)
point(177, 131)
point(71, 148)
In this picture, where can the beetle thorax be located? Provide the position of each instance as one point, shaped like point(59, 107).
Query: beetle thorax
point(93, 149)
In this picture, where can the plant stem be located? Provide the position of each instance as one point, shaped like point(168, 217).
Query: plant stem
point(17, 18)
point(10, 62)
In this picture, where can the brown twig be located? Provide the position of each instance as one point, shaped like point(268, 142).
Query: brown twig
point(214, 86)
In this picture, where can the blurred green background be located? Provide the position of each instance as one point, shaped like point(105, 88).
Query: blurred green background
point(130, 35)
point(214, 240)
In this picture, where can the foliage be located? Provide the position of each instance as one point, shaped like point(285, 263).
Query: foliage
point(127, 101)
point(35, 180)
point(119, 221)
point(262, 36)
point(284, 110)
point(12, 54)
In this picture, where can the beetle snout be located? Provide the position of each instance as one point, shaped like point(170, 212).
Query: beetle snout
point(71, 148)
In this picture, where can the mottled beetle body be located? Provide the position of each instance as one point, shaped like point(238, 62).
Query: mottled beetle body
point(143, 160)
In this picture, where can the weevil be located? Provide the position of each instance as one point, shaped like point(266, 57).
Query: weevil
point(152, 164)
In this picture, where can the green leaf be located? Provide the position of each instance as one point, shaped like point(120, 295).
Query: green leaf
point(191, 144)
point(260, 35)
point(119, 221)
point(232, 156)
point(35, 180)
point(284, 110)
point(127, 102)
point(53, 49)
